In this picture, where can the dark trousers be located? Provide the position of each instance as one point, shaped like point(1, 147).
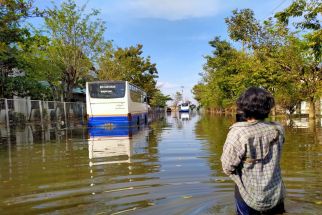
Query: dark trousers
point(244, 209)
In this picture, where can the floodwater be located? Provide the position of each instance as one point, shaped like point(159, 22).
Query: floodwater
point(171, 166)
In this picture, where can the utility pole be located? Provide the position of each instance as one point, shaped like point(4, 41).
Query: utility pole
point(182, 93)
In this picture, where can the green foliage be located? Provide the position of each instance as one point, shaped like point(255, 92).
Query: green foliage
point(288, 97)
point(12, 14)
point(243, 26)
point(76, 41)
point(225, 75)
point(40, 66)
point(208, 95)
point(159, 99)
point(128, 64)
point(12, 33)
point(308, 17)
point(64, 54)
point(279, 60)
point(25, 86)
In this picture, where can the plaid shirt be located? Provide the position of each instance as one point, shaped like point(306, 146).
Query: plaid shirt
point(251, 158)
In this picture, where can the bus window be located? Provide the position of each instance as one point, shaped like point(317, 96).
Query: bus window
point(136, 96)
point(107, 90)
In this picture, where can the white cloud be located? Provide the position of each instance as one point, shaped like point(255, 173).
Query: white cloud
point(164, 9)
point(167, 85)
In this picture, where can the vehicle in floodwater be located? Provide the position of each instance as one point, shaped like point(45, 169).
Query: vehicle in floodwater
point(184, 107)
point(115, 103)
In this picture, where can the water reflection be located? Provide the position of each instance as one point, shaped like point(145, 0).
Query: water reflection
point(184, 116)
point(214, 129)
point(92, 171)
point(171, 166)
point(178, 119)
point(115, 145)
point(304, 123)
point(301, 160)
point(124, 163)
point(35, 133)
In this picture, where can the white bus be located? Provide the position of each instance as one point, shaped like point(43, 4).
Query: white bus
point(184, 107)
point(115, 103)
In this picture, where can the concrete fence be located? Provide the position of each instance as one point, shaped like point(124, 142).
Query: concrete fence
point(19, 111)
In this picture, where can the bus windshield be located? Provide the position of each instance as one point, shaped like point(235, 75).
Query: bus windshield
point(107, 90)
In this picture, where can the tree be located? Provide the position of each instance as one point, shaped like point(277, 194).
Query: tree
point(40, 67)
point(24, 86)
point(128, 64)
point(12, 33)
point(308, 14)
point(286, 63)
point(159, 99)
point(308, 18)
point(177, 98)
point(76, 41)
point(301, 77)
point(242, 26)
point(226, 73)
point(279, 61)
point(288, 98)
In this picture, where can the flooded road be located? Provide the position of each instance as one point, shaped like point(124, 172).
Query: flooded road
point(171, 166)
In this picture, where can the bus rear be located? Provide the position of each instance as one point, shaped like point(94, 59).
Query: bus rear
point(107, 103)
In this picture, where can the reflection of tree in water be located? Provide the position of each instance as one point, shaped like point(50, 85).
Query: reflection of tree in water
point(177, 122)
point(301, 158)
point(214, 129)
point(301, 163)
point(32, 160)
point(155, 131)
point(60, 159)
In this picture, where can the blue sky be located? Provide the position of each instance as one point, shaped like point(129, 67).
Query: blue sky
point(174, 33)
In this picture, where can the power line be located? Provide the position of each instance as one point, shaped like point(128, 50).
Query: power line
point(279, 5)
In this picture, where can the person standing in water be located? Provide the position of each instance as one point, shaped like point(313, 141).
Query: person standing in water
point(251, 156)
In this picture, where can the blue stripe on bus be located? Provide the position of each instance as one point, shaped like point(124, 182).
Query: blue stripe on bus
point(184, 111)
point(114, 132)
point(119, 121)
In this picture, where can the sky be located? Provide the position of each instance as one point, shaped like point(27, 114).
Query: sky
point(174, 33)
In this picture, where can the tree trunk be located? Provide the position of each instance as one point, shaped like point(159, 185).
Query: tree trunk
point(311, 109)
point(318, 107)
point(2, 84)
point(68, 93)
point(312, 125)
point(298, 109)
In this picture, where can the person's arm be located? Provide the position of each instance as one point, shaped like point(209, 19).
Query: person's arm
point(233, 153)
point(281, 131)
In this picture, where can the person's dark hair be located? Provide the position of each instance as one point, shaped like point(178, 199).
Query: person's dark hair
point(255, 103)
